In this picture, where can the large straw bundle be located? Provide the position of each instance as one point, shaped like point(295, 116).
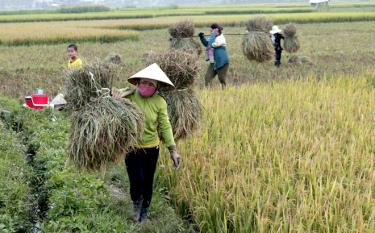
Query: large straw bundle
point(103, 128)
point(103, 131)
point(184, 29)
point(184, 110)
point(181, 67)
point(257, 44)
point(84, 84)
point(291, 42)
point(181, 37)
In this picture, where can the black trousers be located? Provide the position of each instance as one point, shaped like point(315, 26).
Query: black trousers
point(141, 166)
point(278, 52)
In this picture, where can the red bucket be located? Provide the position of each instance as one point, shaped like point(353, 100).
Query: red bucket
point(37, 101)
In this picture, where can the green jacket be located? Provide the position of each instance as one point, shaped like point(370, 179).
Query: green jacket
point(156, 114)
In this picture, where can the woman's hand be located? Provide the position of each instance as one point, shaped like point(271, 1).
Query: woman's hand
point(176, 158)
point(122, 93)
point(116, 93)
point(201, 34)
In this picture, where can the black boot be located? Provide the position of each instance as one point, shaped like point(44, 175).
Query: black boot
point(143, 215)
point(137, 206)
point(277, 63)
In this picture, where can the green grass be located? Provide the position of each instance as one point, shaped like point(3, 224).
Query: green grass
point(14, 184)
point(77, 200)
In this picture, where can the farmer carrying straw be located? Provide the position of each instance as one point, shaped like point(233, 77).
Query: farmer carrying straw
point(276, 38)
point(141, 162)
point(216, 54)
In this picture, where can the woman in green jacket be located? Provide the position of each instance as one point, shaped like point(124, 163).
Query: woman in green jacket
point(141, 162)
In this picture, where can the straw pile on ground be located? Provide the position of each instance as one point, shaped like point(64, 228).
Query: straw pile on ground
point(184, 108)
point(182, 37)
point(114, 58)
point(103, 128)
point(291, 42)
point(257, 44)
point(299, 60)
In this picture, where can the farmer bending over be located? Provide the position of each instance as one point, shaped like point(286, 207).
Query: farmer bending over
point(216, 54)
point(276, 38)
point(141, 162)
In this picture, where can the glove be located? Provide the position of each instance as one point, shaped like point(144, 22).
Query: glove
point(122, 93)
point(201, 34)
point(176, 158)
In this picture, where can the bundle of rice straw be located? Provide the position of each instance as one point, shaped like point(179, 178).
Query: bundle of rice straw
point(103, 128)
point(114, 58)
point(300, 60)
point(291, 42)
point(184, 110)
point(181, 67)
point(182, 37)
point(183, 29)
point(257, 44)
point(84, 84)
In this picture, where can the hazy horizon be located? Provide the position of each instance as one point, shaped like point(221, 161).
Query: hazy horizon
point(14, 5)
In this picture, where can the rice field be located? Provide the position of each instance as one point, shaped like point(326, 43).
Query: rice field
point(149, 13)
point(280, 150)
point(15, 34)
point(289, 156)
point(106, 31)
point(228, 20)
point(153, 12)
point(24, 68)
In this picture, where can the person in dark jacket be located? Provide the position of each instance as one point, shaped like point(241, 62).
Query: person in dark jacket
point(276, 38)
point(219, 65)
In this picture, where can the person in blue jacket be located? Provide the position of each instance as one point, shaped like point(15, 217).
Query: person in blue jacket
point(219, 65)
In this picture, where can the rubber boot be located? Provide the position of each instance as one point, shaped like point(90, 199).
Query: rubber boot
point(137, 206)
point(143, 215)
point(277, 63)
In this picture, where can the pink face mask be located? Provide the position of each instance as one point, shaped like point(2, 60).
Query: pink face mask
point(146, 90)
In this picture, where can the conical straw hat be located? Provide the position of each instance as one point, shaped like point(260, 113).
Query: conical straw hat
point(153, 72)
point(275, 29)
